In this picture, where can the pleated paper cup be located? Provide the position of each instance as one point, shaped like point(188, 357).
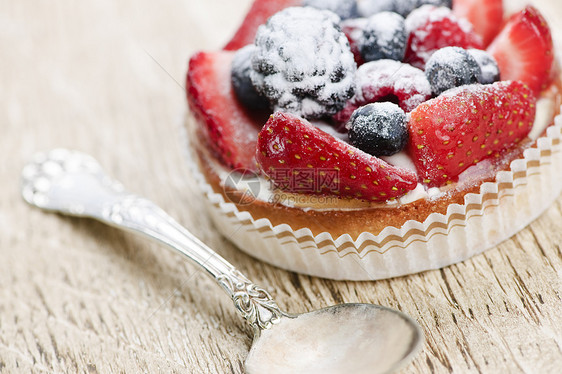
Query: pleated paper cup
point(500, 209)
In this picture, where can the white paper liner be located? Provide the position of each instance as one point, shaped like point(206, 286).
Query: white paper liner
point(501, 209)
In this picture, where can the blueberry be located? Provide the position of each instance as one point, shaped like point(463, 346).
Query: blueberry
point(367, 8)
point(451, 67)
point(384, 37)
point(488, 66)
point(379, 129)
point(344, 8)
point(405, 7)
point(241, 82)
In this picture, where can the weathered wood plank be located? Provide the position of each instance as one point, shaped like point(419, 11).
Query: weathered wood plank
point(76, 296)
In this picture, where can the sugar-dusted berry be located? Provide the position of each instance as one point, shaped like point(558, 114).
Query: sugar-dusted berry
point(378, 129)
point(387, 80)
point(451, 67)
point(405, 7)
point(367, 8)
point(353, 29)
point(488, 66)
point(303, 63)
point(384, 37)
point(431, 28)
point(241, 82)
point(343, 8)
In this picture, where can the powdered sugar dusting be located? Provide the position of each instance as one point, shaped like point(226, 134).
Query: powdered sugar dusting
point(367, 8)
point(431, 13)
point(384, 37)
point(343, 8)
point(355, 26)
point(488, 65)
point(424, 14)
point(304, 64)
point(374, 78)
point(426, 21)
point(450, 67)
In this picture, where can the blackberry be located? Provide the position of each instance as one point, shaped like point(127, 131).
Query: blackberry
point(488, 66)
point(303, 63)
point(379, 129)
point(241, 82)
point(367, 8)
point(384, 37)
point(345, 9)
point(451, 67)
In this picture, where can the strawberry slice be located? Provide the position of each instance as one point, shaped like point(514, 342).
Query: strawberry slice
point(485, 15)
point(523, 49)
point(258, 14)
point(301, 158)
point(231, 131)
point(431, 28)
point(467, 124)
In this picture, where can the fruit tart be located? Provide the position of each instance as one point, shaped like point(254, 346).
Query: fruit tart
point(365, 139)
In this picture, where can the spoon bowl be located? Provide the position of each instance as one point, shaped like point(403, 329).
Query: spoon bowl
point(346, 338)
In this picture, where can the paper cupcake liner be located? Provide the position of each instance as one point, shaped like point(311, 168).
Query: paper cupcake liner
point(501, 209)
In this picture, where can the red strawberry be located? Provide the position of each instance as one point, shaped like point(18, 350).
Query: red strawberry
point(258, 14)
point(431, 28)
point(467, 124)
point(231, 131)
point(485, 15)
point(523, 49)
point(299, 157)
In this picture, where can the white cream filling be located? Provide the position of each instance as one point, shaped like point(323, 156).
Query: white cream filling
point(267, 193)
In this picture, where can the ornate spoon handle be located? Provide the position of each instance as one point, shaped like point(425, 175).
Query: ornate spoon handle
point(74, 183)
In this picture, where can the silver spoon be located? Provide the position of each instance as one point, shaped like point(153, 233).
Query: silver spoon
point(347, 338)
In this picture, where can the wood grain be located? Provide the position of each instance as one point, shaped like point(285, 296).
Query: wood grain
point(106, 78)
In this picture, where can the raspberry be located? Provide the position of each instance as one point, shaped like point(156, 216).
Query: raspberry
point(387, 80)
point(384, 37)
point(241, 82)
point(451, 67)
point(432, 28)
point(303, 63)
point(379, 129)
point(488, 66)
point(344, 8)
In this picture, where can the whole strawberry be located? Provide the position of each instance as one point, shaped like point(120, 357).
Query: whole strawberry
point(301, 158)
point(467, 124)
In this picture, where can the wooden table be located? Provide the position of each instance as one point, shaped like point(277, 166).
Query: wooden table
point(106, 77)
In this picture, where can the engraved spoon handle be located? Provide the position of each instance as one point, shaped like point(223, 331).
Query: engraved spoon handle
point(74, 183)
